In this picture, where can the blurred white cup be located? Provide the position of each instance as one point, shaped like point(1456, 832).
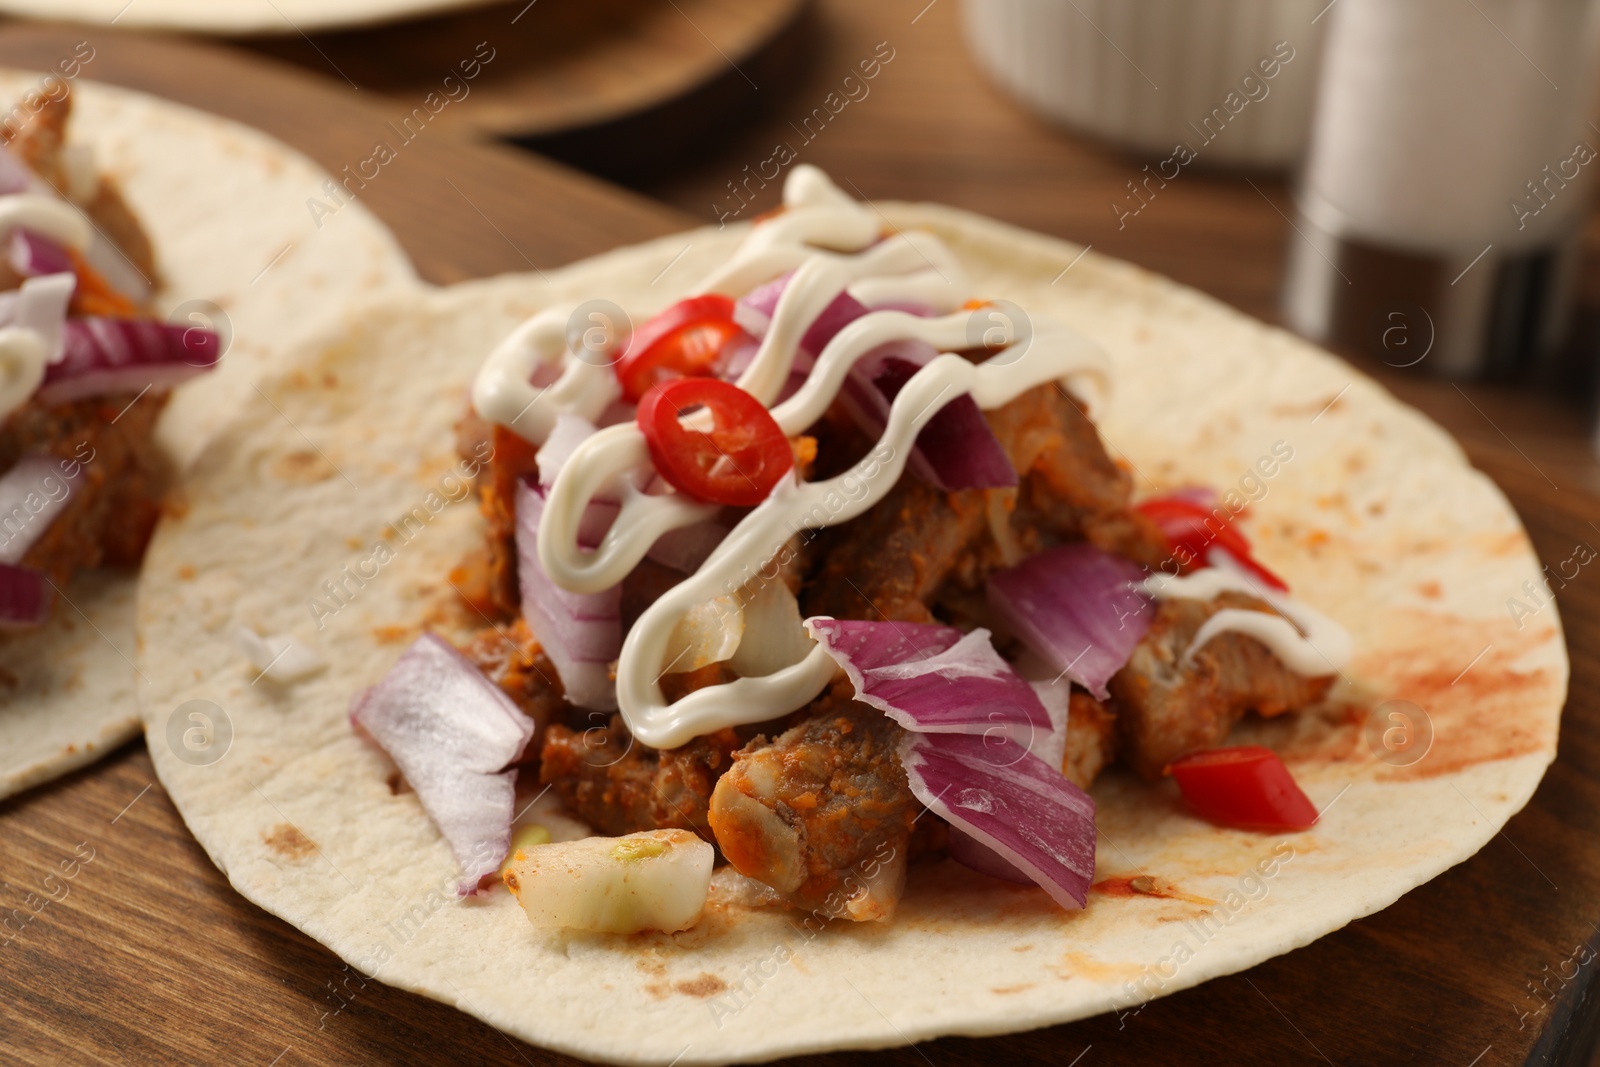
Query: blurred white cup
point(1231, 79)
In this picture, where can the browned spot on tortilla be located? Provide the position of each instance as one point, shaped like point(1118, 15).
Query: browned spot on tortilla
point(330, 380)
point(1146, 885)
point(1005, 989)
point(1021, 948)
point(187, 572)
point(397, 784)
point(175, 505)
point(301, 467)
point(287, 841)
point(389, 635)
point(1430, 589)
point(352, 543)
point(651, 965)
point(706, 985)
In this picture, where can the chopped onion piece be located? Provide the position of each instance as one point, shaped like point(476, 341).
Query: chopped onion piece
point(956, 449)
point(279, 657)
point(32, 495)
point(1010, 802)
point(933, 678)
point(580, 632)
point(1078, 607)
point(31, 255)
point(686, 547)
point(25, 598)
point(656, 880)
point(566, 435)
point(40, 307)
point(452, 733)
point(101, 356)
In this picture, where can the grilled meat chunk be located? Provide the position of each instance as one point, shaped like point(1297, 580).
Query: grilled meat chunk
point(511, 658)
point(822, 812)
point(39, 141)
point(114, 474)
point(618, 786)
point(1091, 739)
point(913, 545)
point(1165, 710)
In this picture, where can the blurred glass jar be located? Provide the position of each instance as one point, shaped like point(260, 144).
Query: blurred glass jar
point(1448, 182)
point(1231, 79)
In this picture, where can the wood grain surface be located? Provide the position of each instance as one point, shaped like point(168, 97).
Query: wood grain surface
point(547, 67)
point(145, 955)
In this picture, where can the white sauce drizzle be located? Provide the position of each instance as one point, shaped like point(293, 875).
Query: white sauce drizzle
point(1304, 639)
point(827, 239)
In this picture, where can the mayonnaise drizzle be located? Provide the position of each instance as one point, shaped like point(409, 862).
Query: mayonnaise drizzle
point(1304, 640)
point(827, 239)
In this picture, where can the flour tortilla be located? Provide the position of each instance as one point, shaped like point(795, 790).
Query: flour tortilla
point(219, 202)
point(1377, 520)
point(234, 16)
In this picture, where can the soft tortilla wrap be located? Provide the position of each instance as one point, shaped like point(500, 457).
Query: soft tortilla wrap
point(234, 16)
point(225, 207)
point(1377, 520)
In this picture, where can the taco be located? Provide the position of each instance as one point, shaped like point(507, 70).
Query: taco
point(840, 634)
point(116, 219)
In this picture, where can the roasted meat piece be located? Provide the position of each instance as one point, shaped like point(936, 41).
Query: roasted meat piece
point(510, 658)
point(1091, 739)
point(113, 473)
point(619, 786)
point(822, 812)
point(1165, 710)
point(916, 543)
point(40, 141)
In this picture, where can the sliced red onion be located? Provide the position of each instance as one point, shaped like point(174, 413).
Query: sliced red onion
point(452, 733)
point(101, 356)
point(1009, 802)
point(1077, 607)
point(31, 255)
point(956, 449)
point(32, 494)
point(580, 632)
point(970, 852)
point(25, 598)
point(685, 548)
point(933, 678)
point(753, 312)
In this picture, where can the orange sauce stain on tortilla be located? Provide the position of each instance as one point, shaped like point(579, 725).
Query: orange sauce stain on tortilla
point(1430, 590)
point(1145, 885)
point(1465, 676)
point(389, 635)
point(1082, 965)
point(287, 841)
point(1007, 989)
point(187, 572)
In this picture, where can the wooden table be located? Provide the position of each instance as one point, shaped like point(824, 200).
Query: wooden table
point(152, 959)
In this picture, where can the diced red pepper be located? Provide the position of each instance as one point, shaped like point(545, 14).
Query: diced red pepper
point(681, 342)
point(1196, 529)
point(1246, 786)
point(738, 463)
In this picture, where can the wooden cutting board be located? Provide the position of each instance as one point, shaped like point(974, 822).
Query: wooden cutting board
point(552, 66)
point(147, 956)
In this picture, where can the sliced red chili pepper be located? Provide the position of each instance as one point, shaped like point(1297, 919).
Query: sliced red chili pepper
point(1244, 786)
point(1197, 529)
point(737, 463)
point(681, 342)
